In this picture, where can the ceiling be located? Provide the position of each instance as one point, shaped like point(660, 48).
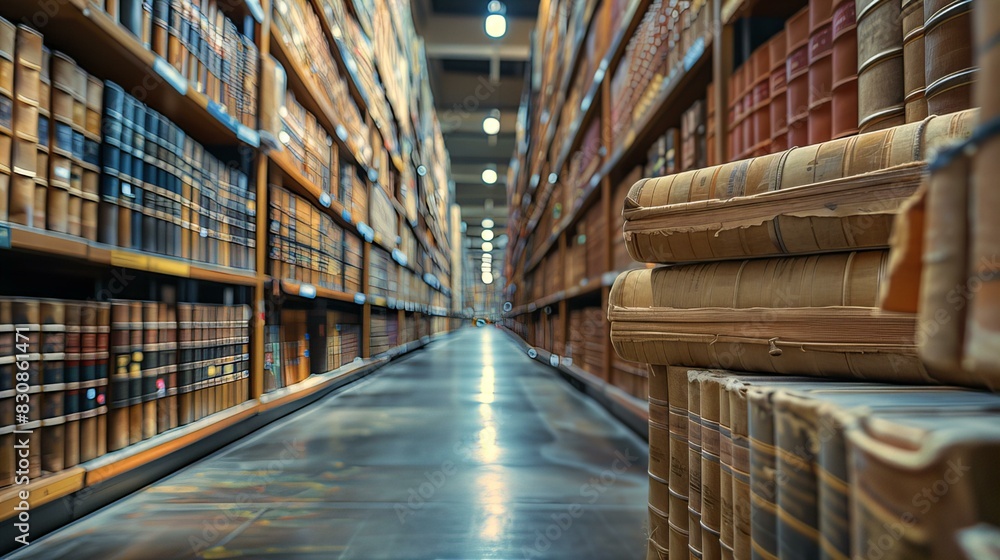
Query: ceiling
point(472, 74)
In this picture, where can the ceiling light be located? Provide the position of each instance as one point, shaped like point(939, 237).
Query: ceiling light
point(487, 235)
point(487, 247)
point(491, 124)
point(487, 278)
point(490, 176)
point(496, 23)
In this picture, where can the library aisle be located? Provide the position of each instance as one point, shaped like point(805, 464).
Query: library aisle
point(467, 449)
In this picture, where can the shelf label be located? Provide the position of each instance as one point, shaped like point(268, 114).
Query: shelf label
point(307, 291)
point(325, 200)
point(170, 74)
point(694, 53)
point(399, 257)
point(393, 304)
point(380, 301)
point(346, 215)
point(532, 353)
point(4, 237)
point(360, 298)
point(256, 10)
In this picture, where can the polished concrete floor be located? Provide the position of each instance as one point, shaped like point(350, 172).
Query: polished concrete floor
point(464, 450)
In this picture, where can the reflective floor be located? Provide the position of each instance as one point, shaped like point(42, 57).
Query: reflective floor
point(464, 450)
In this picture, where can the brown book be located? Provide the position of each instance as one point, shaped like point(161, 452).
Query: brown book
point(920, 478)
point(7, 50)
point(659, 468)
point(981, 326)
point(693, 137)
point(844, 110)
point(73, 400)
point(778, 89)
point(880, 65)
point(744, 315)
point(24, 156)
point(660, 228)
point(761, 104)
point(820, 71)
point(695, 432)
point(797, 77)
point(914, 58)
point(711, 473)
point(950, 70)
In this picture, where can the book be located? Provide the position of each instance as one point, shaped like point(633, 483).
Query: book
point(820, 70)
point(949, 67)
point(8, 34)
point(914, 60)
point(880, 65)
point(24, 157)
point(844, 110)
point(797, 77)
point(660, 227)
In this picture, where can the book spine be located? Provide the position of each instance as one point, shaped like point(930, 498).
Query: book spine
point(24, 153)
point(982, 328)
point(727, 510)
point(763, 484)
point(950, 70)
point(880, 65)
point(695, 430)
point(834, 488)
point(72, 400)
point(711, 476)
point(820, 70)
point(845, 69)
point(797, 77)
point(119, 388)
point(796, 445)
point(778, 106)
point(52, 372)
point(42, 154)
point(138, 361)
point(740, 432)
point(761, 99)
point(7, 56)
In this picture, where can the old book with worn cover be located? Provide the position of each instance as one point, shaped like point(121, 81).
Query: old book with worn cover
point(950, 69)
point(820, 70)
point(920, 478)
point(835, 196)
point(761, 316)
point(797, 77)
point(845, 69)
point(914, 77)
point(695, 432)
point(880, 65)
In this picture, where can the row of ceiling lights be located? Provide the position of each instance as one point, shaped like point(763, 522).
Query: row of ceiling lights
point(487, 236)
point(496, 27)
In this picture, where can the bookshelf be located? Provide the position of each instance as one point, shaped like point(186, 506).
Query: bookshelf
point(383, 144)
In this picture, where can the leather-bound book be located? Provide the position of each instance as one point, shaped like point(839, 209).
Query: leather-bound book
point(91, 161)
point(982, 328)
point(130, 16)
point(24, 153)
point(695, 429)
point(880, 65)
point(921, 478)
point(73, 395)
point(138, 361)
point(95, 343)
point(711, 157)
point(736, 82)
point(693, 136)
point(687, 319)
point(914, 58)
point(53, 358)
point(797, 76)
point(659, 461)
point(7, 50)
point(820, 70)
point(112, 126)
point(950, 69)
point(42, 155)
point(660, 228)
point(60, 171)
point(761, 93)
point(828, 414)
point(778, 107)
point(176, 53)
point(121, 357)
point(711, 474)
point(747, 127)
point(845, 69)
